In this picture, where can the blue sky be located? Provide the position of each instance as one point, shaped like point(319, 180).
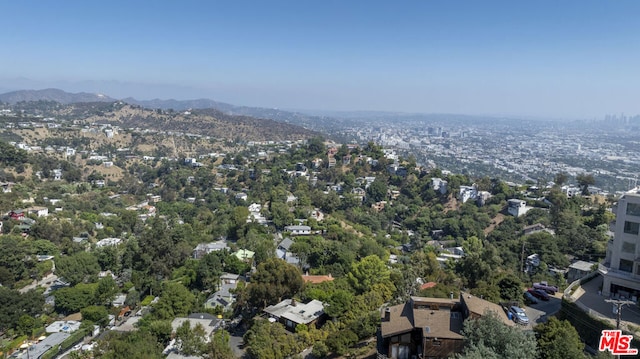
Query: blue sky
point(563, 59)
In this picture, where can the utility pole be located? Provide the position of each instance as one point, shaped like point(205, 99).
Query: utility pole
point(522, 257)
point(618, 304)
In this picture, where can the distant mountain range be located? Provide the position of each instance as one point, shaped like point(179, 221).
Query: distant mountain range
point(206, 117)
point(55, 95)
point(316, 123)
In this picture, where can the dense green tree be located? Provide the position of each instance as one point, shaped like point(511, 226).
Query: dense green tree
point(510, 288)
point(27, 323)
point(106, 291)
point(340, 341)
point(585, 180)
point(13, 305)
point(558, 339)
point(95, 313)
point(218, 347)
point(12, 156)
point(270, 341)
point(368, 272)
point(273, 281)
point(136, 344)
point(377, 191)
point(489, 336)
point(191, 340)
point(338, 303)
point(77, 268)
point(175, 300)
point(72, 299)
point(560, 179)
point(15, 261)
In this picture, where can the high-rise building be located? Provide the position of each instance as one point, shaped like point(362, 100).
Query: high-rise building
point(621, 269)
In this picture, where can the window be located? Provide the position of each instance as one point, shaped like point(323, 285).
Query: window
point(625, 265)
point(628, 247)
point(633, 209)
point(631, 227)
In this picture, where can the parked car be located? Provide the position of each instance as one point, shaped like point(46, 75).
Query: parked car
point(530, 298)
point(539, 293)
point(551, 289)
point(519, 315)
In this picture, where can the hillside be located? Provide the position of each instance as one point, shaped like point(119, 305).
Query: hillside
point(54, 95)
point(50, 99)
point(213, 123)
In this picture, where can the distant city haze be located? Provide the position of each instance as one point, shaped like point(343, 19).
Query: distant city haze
point(549, 59)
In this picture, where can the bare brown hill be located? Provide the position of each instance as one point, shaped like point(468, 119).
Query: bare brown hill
point(210, 122)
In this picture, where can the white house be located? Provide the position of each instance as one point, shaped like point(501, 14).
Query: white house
point(298, 230)
point(517, 207)
point(108, 242)
point(467, 193)
point(438, 184)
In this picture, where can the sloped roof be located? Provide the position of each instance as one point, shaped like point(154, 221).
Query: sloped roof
point(418, 313)
point(480, 307)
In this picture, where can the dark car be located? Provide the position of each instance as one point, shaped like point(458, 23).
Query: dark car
point(539, 293)
point(530, 298)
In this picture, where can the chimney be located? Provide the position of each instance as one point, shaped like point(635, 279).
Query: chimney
point(330, 275)
point(293, 302)
point(387, 314)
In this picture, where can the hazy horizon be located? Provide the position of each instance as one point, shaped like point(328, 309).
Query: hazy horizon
point(574, 59)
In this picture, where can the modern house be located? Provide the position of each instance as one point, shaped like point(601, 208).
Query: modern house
point(621, 268)
point(517, 207)
point(439, 185)
point(291, 313)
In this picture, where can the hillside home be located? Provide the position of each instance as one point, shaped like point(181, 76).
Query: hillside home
point(6, 186)
point(535, 228)
point(579, 269)
point(430, 327)
point(517, 207)
point(38, 211)
point(108, 242)
point(223, 296)
point(203, 249)
point(439, 185)
point(298, 230)
point(467, 192)
point(291, 313)
point(422, 327)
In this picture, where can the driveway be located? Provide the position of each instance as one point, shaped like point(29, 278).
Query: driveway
point(540, 312)
point(44, 282)
point(596, 305)
point(237, 343)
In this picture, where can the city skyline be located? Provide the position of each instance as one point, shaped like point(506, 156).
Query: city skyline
point(561, 60)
